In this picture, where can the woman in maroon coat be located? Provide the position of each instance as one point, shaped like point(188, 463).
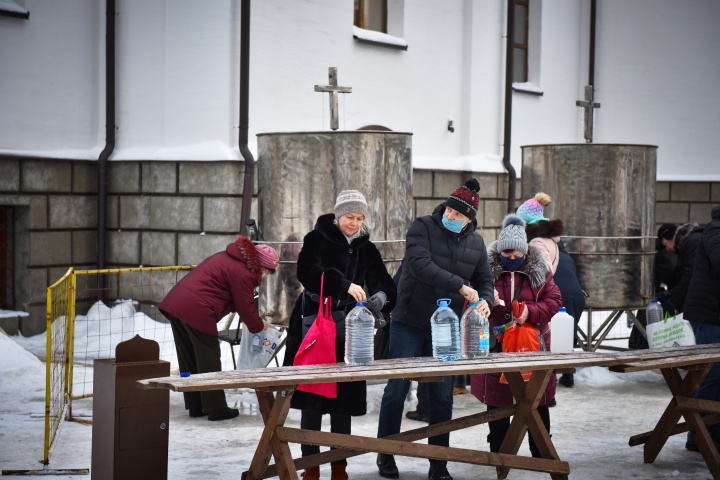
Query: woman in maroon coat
point(515, 264)
point(223, 283)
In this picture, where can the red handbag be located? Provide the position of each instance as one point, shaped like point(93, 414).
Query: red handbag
point(318, 347)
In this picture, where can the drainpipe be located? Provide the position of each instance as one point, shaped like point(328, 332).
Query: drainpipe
point(507, 136)
point(244, 117)
point(109, 135)
point(591, 61)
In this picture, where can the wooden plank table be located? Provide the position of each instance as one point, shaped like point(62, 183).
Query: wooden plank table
point(274, 388)
point(696, 361)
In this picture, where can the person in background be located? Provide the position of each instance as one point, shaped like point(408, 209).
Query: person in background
point(542, 233)
point(667, 272)
point(702, 310)
point(340, 248)
point(223, 283)
point(516, 264)
point(444, 258)
point(686, 243)
point(573, 298)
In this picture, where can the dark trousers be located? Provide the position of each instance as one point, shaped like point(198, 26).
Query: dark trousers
point(310, 420)
point(499, 428)
point(198, 352)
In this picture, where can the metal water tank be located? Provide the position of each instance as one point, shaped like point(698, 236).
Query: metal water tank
point(605, 196)
point(299, 176)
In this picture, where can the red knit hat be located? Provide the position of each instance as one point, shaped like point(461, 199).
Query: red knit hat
point(466, 199)
point(267, 256)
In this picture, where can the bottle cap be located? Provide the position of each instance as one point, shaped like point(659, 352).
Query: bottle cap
point(476, 303)
point(184, 374)
point(562, 309)
point(361, 304)
point(443, 302)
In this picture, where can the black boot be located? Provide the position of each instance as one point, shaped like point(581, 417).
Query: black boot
point(567, 380)
point(386, 466)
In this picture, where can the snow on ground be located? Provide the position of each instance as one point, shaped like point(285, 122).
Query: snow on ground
point(591, 426)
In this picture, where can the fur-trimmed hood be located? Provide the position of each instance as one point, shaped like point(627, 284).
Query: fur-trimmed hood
point(535, 267)
point(545, 229)
point(244, 250)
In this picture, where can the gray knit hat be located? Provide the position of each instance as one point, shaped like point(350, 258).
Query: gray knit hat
point(512, 236)
point(350, 201)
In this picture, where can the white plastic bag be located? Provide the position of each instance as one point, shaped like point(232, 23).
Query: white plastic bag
point(673, 331)
point(266, 342)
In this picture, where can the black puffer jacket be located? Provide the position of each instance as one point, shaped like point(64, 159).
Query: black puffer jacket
point(437, 264)
point(703, 298)
point(326, 250)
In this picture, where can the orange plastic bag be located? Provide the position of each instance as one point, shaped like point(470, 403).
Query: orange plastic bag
point(318, 347)
point(522, 338)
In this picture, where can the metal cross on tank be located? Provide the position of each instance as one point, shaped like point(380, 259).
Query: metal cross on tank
point(589, 107)
point(333, 90)
point(300, 175)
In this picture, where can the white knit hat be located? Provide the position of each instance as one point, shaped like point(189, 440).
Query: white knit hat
point(350, 201)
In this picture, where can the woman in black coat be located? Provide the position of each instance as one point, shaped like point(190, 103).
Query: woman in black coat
point(339, 247)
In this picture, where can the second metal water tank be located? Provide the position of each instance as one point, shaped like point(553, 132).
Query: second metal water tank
point(605, 196)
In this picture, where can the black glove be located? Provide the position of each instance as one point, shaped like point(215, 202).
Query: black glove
point(377, 301)
point(380, 320)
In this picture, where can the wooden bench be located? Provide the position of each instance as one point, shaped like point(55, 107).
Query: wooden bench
point(275, 387)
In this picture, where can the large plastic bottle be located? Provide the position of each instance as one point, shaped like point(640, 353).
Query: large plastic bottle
point(563, 331)
point(445, 327)
point(653, 312)
point(359, 329)
point(474, 333)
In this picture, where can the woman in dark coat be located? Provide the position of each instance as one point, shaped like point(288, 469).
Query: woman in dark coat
point(511, 258)
point(339, 247)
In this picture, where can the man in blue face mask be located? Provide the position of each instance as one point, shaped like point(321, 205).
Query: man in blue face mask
point(444, 258)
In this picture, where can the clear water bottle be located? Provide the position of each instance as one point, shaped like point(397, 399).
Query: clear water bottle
point(563, 331)
point(474, 333)
point(653, 312)
point(359, 330)
point(445, 327)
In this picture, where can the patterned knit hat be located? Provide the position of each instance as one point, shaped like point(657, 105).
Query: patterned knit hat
point(532, 210)
point(512, 236)
point(350, 201)
point(466, 199)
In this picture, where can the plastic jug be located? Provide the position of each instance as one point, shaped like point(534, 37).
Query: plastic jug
point(654, 311)
point(359, 335)
point(445, 327)
point(474, 333)
point(563, 331)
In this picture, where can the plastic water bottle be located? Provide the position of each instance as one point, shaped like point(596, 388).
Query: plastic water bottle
point(445, 327)
point(359, 329)
point(653, 312)
point(563, 331)
point(474, 333)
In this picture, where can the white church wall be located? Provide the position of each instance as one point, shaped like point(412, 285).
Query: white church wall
point(553, 116)
point(657, 82)
point(49, 77)
point(178, 70)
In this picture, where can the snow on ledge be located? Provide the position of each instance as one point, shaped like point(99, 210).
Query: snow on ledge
point(527, 87)
point(13, 313)
point(11, 6)
point(471, 163)
point(378, 37)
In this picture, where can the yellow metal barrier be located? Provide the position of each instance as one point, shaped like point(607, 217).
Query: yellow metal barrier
point(88, 313)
